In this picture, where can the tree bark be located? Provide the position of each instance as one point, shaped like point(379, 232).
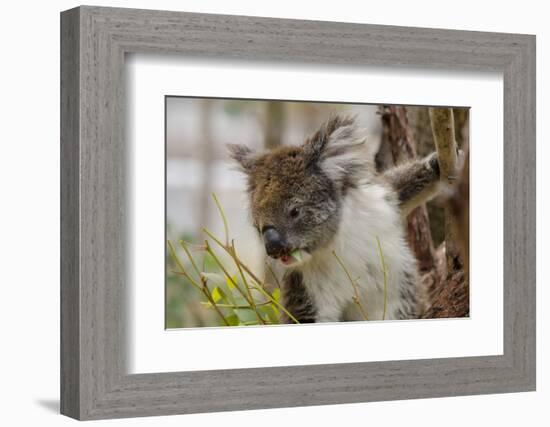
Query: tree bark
point(459, 207)
point(398, 146)
point(443, 129)
point(419, 119)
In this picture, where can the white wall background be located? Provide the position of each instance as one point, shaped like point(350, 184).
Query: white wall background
point(29, 214)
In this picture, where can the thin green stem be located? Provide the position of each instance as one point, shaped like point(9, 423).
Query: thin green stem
point(226, 248)
point(385, 272)
point(239, 307)
point(225, 272)
point(255, 281)
point(203, 280)
point(233, 253)
point(191, 259)
point(251, 323)
point(356, 298)
point(203, 289)
point(224, 218)
point(266, 294)
point(211, 235)
point(175, 256)
point(274, 275)
point(183, 271)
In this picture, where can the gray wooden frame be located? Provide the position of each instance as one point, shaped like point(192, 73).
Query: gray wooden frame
point(94, 41)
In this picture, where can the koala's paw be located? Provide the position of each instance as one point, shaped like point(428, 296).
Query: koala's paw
point(433, 162)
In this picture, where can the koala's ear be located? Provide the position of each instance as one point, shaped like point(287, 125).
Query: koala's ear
point(244, 157)
point(341, 150)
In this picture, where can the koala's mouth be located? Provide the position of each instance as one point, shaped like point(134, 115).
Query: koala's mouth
point(287, 259)
point(295, 256)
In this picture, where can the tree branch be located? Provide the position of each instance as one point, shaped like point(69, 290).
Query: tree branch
point(443, 130)
point(398, 146)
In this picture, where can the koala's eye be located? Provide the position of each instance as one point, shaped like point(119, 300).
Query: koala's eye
point(294, 212)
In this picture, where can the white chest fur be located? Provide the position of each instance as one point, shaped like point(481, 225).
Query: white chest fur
point(368, 216)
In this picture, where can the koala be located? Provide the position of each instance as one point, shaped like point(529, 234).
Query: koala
point(324, 197)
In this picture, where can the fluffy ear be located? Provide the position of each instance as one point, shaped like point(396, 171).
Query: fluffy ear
point(341, 150)
point(244, 157)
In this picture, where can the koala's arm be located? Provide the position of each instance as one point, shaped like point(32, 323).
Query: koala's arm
point(414, 182)
point(296, 299)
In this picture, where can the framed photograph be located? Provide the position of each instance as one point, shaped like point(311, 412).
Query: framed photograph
point(261, 213)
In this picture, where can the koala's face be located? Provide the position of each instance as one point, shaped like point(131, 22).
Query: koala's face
point(296, 193)
point(294, 204)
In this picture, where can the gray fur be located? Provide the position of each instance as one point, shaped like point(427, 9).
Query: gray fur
point(338, 200)
point(414, 182)
point(409, 294)
point(244, 157)
point(296, 299)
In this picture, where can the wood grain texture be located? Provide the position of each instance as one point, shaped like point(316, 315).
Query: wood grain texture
point(70, 257)
point(94, 270)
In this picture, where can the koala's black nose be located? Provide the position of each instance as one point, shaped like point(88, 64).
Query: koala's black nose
point(273, 241)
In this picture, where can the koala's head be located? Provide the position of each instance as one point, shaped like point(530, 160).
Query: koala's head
point(296, 192)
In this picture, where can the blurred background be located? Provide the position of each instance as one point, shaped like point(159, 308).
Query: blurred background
point(197, 165)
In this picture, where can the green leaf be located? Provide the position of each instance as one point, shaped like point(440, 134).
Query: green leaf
point(218, 294)
point(297, 254)
point(251, 323)
point(268, 313)
point(246, 315)
point(233, 320)
point(276, 294)
point(239, 300)
point(229, 298)
point(229, 283)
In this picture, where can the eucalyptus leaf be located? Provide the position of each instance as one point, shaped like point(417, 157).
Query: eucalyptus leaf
point(233, 320)
point(268, 313)
point(296, 254)
point(229, 282)
point(218, 294)
point(276, 294)
point(246, 316)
